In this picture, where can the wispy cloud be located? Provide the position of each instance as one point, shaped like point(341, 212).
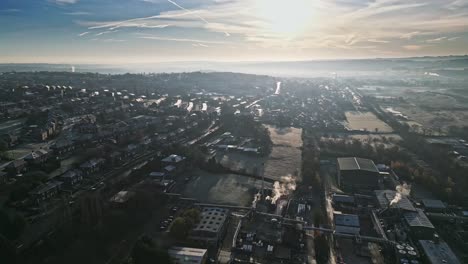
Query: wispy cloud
point(200, 45)
point(391, 25)
point(78, 13)
point(84, 33)
point(10, 10)
point(378, 41)
point(453, 38)
point(413, 47)
point(436, 40)
point(105, 32)
point(227, 34)
point(410, 35)
point(63, 2)
point(196, 41)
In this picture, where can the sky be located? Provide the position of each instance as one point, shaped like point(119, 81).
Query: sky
point(149, 31)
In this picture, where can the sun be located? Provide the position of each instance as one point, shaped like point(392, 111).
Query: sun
point(288, 18)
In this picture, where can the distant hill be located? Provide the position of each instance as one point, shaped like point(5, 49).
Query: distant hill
point(445, 65)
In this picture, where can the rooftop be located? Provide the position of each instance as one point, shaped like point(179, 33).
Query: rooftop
point(437, 253)
point(211, 219)
point(346, 220)
point(122, 197)
point(173, 158)
point(433, 204)
point(417, 219)
point(384, 197)
point(187, 255)
point(46, 187)
point(353, 163)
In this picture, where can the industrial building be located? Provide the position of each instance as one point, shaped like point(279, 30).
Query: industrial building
point(186, 255)
point(356, 174)
point(347, 223)
point(210, 229)
point(437, 252)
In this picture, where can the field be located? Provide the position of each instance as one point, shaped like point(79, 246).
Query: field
point(285, 156)
point(284, 159)
point(222, 188)
point(428, 110)
point(365, 121)
point(438, 121)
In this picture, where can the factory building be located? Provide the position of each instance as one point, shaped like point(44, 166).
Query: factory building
point(356, 174)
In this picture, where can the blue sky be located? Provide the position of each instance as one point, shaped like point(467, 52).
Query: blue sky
point(147, 31)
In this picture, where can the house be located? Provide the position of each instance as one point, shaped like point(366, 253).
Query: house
point(157, 175)
point(186, 255)
point(211, 228)
point(37, 157)
point(92, 166)
point(10, 139)
point(63, 147)
point(3, 177)
point(346, 223)
point(115, 157)
point(121, 199)
point(45, 191)
point(16, 167)
point(71, 178)
point(174, 164)
point(358, 174)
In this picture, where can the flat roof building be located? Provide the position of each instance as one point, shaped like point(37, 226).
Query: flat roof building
point(211, 227)
point(434, 205)
point(437, 252)
point(347, 223)
point(385, 198)
point(357, 174)
point(186, 255)
point(420, 226)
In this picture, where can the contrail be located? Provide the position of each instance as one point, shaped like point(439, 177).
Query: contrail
point(200, 17)
point(185, 9)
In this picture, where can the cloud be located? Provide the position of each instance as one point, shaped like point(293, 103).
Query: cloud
point(195, 41)
point(377, 41)
point(63, 2)
point(436, 40)
point(378, 24)
point(84, 33)
point(195, 14)
point(106, 32)
point(200, 45)
point(453, 38)
point(78, 13)
point(10, 10)
point(410, 35)
point(413, 47)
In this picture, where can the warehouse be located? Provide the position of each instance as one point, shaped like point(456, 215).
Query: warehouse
point(355, 174)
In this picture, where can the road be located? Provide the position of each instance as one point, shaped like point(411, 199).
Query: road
point(329, 211)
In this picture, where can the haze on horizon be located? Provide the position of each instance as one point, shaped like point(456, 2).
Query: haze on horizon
point(146, 31)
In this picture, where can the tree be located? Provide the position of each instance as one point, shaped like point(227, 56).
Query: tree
point(317, 217)
point(179, 228)
point(192, 216)
point(321, 249)
point(3, 145)
point(145, 251)
point(12, 226)
point(7, 251)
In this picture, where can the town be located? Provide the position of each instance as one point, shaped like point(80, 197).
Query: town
point(228, 168)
